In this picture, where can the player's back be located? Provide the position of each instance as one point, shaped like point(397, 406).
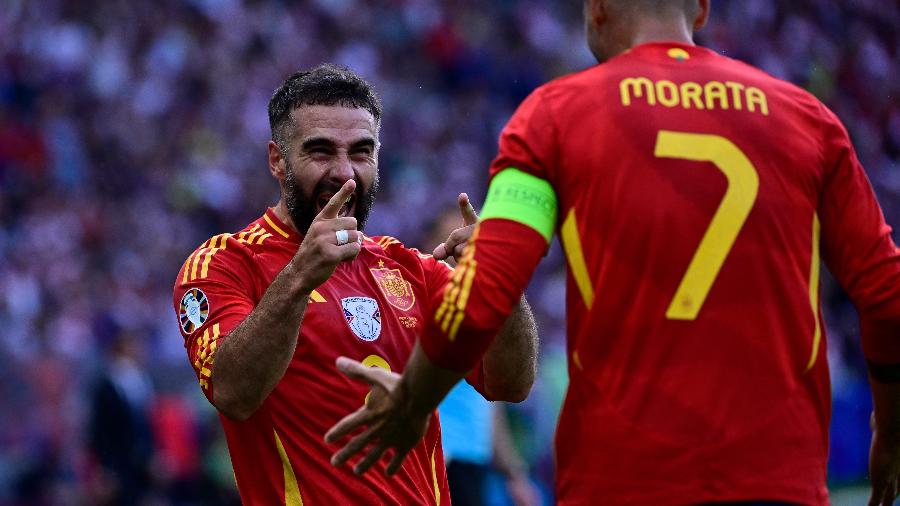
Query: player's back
point(688, 185)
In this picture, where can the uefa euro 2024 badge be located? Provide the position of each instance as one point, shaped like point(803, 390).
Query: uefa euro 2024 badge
point(194, 310)
point(363, 317)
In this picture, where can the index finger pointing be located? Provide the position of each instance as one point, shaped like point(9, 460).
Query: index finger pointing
point(374, 376)
point(337, 201)
point(466, 209)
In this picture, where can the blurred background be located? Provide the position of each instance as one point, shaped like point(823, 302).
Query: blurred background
point(131, 131)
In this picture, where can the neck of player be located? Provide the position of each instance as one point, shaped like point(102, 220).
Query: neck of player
point(649, 29)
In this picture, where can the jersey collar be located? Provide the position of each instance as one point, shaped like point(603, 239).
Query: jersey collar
point(277, 227)
point(672, 49)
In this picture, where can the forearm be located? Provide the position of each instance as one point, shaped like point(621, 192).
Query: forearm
point(424, 384)
point(885, 383)
point(256, 354)
point(485, 288)
point(510, 364)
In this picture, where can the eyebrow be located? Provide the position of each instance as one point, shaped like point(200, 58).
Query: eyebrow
point(317, 142)
point(366, 142)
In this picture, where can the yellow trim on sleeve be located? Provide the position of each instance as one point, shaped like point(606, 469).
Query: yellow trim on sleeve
point(223, 239)
point(575, 256)
point(814, 267)
point(196, 262)
point(463, 299)
point(452, 311)
point(255, 234)
point(186, 269)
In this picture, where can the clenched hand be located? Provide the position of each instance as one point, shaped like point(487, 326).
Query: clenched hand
point(319, 254)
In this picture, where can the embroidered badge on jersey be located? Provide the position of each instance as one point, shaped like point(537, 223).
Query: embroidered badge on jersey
point(194, 310)
point(396, 290)
point(363, 317)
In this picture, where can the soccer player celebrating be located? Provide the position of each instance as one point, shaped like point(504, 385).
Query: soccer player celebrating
point(266, 311)
point(694, 196)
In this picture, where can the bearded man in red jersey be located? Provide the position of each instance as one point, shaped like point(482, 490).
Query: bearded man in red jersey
point(694, 196)
point(266, 311)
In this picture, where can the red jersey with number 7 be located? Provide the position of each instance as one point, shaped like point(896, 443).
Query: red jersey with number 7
point(370, 310)
point(695, 196)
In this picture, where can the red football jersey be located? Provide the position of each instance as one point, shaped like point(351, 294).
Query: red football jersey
point(370, 309)
point(695, 195)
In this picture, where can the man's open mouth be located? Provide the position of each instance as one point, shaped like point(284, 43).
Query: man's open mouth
point(346, 210)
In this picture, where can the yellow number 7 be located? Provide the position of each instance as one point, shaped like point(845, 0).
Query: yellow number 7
point(726, 224)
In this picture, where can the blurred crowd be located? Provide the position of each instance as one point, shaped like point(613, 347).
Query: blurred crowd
point(131, 131)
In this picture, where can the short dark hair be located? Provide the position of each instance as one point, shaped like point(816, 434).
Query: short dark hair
point(660, 6)
point(327, 84)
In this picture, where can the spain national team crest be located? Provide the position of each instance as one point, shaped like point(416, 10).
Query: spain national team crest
point(363, 317)
point(194, 310)
point(396, 290)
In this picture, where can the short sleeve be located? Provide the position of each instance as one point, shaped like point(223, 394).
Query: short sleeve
point(212, 296)
point(857, 246)
point(529, 141)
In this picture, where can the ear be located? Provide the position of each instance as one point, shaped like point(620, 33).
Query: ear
point(276, 161)
point(702, 14)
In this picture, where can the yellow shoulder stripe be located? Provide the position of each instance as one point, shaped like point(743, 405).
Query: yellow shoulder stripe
point(197, 264)
point(386, 241)
point(217, 244)
point(186, 268)
point(256, 235)
point(203, 254)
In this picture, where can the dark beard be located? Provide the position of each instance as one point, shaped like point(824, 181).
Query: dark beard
point(302, 208)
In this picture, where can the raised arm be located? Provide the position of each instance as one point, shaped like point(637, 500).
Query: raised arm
point(497, 264)
point(510, 364)
point(516, 227)
point(254, 356)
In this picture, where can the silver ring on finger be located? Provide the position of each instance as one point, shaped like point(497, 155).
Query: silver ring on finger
point(342, 237)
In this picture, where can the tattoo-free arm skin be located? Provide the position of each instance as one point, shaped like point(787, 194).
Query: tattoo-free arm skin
point(510, 364)
point(252, 359)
